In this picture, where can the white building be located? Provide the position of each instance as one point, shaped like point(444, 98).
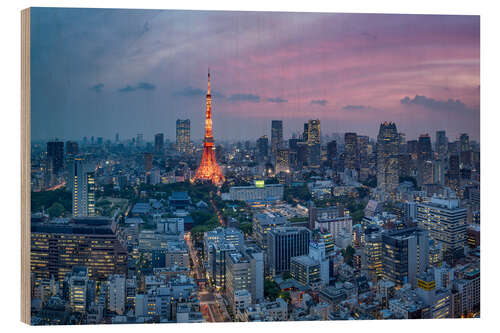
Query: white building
point(242, 299)
point(446, 223)
point(116, 293)
point(78, 289)
point(268, 192)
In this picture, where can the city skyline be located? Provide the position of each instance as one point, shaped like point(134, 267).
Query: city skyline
point(348, 70)
point(338, 177)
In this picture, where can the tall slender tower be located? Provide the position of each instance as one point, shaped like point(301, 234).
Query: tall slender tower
point(209, 170)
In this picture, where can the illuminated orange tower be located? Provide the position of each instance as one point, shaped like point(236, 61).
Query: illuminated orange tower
point(209, 170)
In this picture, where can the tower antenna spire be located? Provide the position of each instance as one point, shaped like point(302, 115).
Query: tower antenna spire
point(208, 91)
point(209, 170)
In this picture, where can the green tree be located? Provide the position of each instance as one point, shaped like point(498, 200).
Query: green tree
point(357, 216)
point(56, 210)
point(286, 296)
point(45, 199)
point(271, 289)
point(348, 254)
point(246, 227)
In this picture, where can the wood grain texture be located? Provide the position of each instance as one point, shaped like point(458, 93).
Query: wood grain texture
point(25, 167)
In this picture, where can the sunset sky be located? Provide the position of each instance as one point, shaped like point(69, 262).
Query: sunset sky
point(99, 72)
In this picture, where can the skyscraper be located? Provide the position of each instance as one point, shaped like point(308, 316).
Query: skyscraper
point(283, 243)
point(139, 141)
point(313, 132)
point(276, 137)
point(293, 147)
point(424, 148)
point(262, 148)
point(314, 143)
point(364, 166)
point(55, 155)
point(148, 161)
point(453, 171)
point(209, 170)
point(387, 157)
point(446, 223)
point(424, 157)
point(351, 160)
point(405, 255)
point(331, 152)
point(182, 135)
point(441, 144)
point(159, 143)
point(305, 133)
point(412, 148)
point(71, 148)
point(82, 188)
point(283, 160)
point(464, 142)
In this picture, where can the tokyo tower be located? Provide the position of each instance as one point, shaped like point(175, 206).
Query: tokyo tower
point(209, 170)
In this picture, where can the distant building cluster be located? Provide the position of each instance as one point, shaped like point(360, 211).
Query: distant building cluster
point(319, 226)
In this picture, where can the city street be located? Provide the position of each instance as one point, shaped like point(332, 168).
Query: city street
point(212, 309)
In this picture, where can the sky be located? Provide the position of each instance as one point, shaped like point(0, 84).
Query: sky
point(98, 72)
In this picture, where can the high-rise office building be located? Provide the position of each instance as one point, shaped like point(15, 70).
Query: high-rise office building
point(412, 146)
point(293, 147)
point(78, 289)
point(441, 144)
point(464, 142)
point(238, 275)
point(148, 161)
point(372, 254)
point(55, 155)
point(404, 165)
point(313, 132)
point(453, 171)
point(351, 159)
point(139, 141)
point(306, 270)
point(387, 157)
point(262, 148)
point(331, 152)
point(314, 155)
point(363, 147)
point(182, 135)
point(424, 148)
point(424, 159)
point(116, 293)
point(446, 223)
point(305, 133)
point(402, 142)
point(283, 243)
point(302, 154)
point(91, 241)
point(438, 174)
point(159, 141)
point(256, 258)
point(82, 182)
point(71, 148)
point(245, 271)
point(283, 161)
point(276, 137)
point(427, 174)
point(405, 255)
point(314, 142)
